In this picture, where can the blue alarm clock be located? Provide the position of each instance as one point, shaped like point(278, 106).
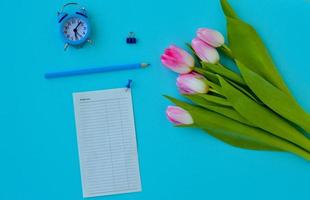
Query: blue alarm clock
point(74, 26)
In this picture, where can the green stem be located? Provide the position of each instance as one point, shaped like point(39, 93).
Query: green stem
point(215, 99)
point(196, 58)
point(248, 93)
point(227, 51)
point(231, 74)
point(224, 71)
point(209, 75)
point(223, 110)
point(211, 79)
point(214, 91)
point(214, 78)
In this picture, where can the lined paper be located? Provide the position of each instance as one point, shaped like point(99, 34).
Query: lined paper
point(107, 142)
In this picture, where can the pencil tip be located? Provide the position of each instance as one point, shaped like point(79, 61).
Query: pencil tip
point(145, 64)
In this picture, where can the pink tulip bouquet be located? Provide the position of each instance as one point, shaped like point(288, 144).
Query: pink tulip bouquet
point(252, 109)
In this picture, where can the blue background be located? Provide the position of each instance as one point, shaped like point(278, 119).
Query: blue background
point(38, 149)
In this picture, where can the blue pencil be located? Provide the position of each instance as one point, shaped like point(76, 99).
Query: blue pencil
point(94, 70)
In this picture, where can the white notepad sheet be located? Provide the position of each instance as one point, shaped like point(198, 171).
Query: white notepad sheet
point(107, 142)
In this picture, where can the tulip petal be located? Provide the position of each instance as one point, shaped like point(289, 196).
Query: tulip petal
point(211, 37)
point(177, 60)
point(192, 83)
point(178, 115)
point(204, 51)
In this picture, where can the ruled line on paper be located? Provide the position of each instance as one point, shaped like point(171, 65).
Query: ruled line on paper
point(107, 142)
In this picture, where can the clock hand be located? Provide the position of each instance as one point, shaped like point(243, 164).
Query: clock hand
point(78, 34)
point(75, 29)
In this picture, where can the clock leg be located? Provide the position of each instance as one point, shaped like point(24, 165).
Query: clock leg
point(66, 46)
point(90, 41)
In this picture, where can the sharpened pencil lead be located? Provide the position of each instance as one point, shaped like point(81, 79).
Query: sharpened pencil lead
point(145, 65)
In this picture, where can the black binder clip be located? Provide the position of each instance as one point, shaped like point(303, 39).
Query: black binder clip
point(128, 85)
point(131, 38)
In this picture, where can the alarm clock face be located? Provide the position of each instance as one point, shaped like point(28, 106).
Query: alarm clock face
point(75, 30)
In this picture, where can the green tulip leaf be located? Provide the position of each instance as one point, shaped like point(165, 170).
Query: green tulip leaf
point(262, 117)
point(227, 9)
point(238, 140)
point(221, 70)
point(226, 51)
point(225, 111)
point(208, 75)
point(247, 47)
point(208, 120)
point(275, 99)
point(215, 99)
point(212, 80)
point(248, 93)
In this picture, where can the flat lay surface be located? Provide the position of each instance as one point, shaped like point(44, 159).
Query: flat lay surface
point(38, 143)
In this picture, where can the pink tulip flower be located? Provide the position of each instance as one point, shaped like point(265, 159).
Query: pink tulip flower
point(204, 51)
point(177, 60)
point(211, 37)
point(192, 83)
point(179, 116)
